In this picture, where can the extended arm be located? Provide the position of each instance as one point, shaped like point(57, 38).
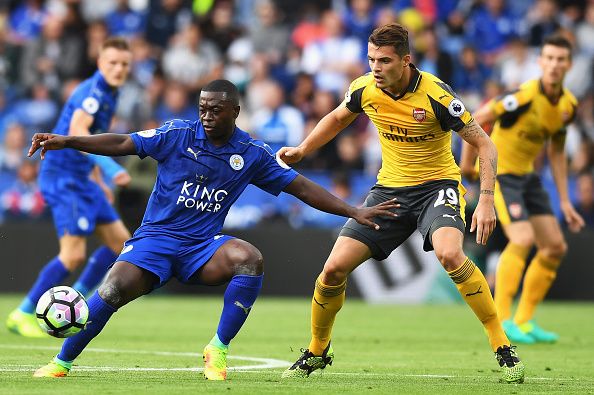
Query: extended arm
point(483, 219)
point(109, 144)
point(322, 133)
point(558, 161)
point(318, 197)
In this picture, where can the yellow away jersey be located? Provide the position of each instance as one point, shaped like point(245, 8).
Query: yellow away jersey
point(414, 128)
point(526, 119)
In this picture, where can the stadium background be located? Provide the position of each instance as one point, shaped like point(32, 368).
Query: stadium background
point(292, 61)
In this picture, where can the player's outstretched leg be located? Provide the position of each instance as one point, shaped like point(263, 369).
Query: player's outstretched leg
point(125, 283)
point(94, 271)
point(22, 320)
point(99, 314)
point(326, 303)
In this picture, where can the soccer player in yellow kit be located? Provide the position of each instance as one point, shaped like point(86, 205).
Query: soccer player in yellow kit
point(525, 120)
point(414, 113)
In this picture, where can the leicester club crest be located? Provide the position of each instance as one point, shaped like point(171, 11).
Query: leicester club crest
point(419, 114)
point(236, 162)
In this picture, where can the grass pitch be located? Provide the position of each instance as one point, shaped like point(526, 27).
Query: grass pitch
point(154, 345)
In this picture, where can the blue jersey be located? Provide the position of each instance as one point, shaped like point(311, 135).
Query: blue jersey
point(96, 98)
point(197, 182)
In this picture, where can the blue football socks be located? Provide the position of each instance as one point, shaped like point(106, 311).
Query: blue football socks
point(239, 298)
point(95, 270)
point(53, 273)
point(99, 314)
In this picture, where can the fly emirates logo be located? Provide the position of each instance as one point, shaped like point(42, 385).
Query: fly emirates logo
point(197, 196)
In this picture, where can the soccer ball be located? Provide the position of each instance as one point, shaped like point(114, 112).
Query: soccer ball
point(62, 311)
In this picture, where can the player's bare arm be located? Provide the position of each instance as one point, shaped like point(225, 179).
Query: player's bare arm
point(109, 144)
point(322, 133)
point(316, 196)
point(558, 161)
point(483, 219)
point(483, 116)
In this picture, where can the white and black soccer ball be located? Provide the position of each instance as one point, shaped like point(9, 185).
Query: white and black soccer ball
point(62, 311)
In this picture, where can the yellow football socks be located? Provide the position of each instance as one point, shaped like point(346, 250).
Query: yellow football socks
point(473, 287)
point(325, 304)
point(509, 274)
point(538, 279)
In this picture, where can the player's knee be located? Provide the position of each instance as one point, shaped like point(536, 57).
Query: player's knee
point(247, 260)
point(112, 293)
point(450, 257)
point(333, 273)
point(72, 260)
point(555, 251)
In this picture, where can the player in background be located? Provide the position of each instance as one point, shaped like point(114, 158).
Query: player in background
point(73, 188)
point(203, 167)
point(525, 120)
point(414, 113)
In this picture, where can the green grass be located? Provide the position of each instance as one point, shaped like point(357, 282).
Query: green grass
point(379, 349)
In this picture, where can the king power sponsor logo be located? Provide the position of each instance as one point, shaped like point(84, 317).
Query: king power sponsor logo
point(408, 275)
point(199, 197)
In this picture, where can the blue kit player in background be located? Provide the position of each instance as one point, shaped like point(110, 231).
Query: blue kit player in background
point(72, 186)
point(203, 167)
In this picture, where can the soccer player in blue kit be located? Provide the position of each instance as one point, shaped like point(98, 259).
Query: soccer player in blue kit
point(203, 167)
point(72, 186)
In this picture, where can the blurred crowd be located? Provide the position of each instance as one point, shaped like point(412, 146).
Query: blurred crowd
point(292, 60)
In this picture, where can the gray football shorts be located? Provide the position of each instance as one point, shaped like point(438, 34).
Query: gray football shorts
point(426, 207)
point(519, 197)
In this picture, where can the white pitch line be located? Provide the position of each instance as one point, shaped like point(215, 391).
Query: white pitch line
point(263, 363)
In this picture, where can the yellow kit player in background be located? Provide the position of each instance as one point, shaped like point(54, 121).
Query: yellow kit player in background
point(525, 120)
point(414, 113)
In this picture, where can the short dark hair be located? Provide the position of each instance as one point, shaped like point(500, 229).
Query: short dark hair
point(224, 86)
point(392, 34)
point(558, 40)
point(117, 43)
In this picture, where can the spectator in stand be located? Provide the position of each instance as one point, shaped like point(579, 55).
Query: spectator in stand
point(192, 60)
point(25, 21)
point(96, 34)
point(23, 200)
point(431, 58)
point(51, 58)
point(585, 31)
point(37, 111)
point(489, 27)
point(164, 19)
point(220, 28)
point(585, 197)
point(545, 23)
point(308, 29)
point(359, 19)
point(519, 64)
point(471, 74)
point(12, 154)
point(303, 93)
point(176, 104)
point(269, 36)
point(276, 123)
point(334, 59)
point(125, 22)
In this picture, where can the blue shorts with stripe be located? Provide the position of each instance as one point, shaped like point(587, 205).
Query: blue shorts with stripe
point(167, 256)
point(77, 203)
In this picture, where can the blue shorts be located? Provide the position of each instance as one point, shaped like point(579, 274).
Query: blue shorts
point(77, 203)
point(168, 257)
